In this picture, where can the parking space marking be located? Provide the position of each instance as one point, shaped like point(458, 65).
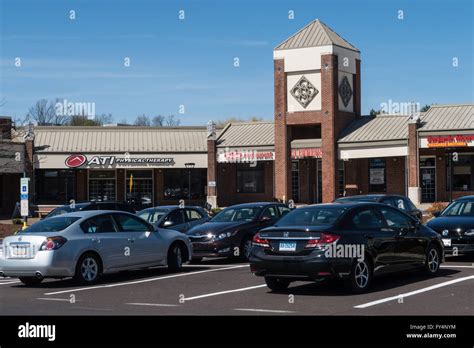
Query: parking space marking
point(262, 310)
point(152, 304)
point(411, 293)
point(141, 281)
point(55, 299)
point(456, 266)
point(216, 266)
point(224, 292)
point(10, 282)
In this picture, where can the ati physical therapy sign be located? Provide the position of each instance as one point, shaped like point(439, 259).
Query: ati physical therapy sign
point(81, 161)
point(449, 141)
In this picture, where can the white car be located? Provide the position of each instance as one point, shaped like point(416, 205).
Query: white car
point(87, 244)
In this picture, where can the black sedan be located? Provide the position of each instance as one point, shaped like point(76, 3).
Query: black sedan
point(350, 241)
point(397, 201)
point(175, 217)
point(455, 224)
point(230, 232)
point(85, 206)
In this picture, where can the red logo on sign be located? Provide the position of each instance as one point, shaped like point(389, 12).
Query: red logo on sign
point(75, 161)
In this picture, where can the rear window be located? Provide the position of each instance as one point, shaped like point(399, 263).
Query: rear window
point(313, 216)
point(358, 199)
point(54, 224)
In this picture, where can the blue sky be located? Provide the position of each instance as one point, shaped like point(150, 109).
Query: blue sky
point(190, 62)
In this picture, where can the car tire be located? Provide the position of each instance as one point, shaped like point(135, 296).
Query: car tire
point(277, 284)
point(432, 260)
point(245, 247)
point(360, 277)
point(175, 257)
point(29, 281)
point(88, 269)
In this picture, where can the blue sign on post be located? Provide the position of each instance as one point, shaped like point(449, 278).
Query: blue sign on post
point(24, 196)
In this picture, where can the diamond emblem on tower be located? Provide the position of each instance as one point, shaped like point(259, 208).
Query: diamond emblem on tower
point(345, 91)
point(304, 91)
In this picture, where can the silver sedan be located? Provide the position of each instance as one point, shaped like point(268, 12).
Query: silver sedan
point(87, 244)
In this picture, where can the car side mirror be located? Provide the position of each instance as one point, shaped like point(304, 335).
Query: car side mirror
point(167, 223)
point(436, 213)
point(265, 218)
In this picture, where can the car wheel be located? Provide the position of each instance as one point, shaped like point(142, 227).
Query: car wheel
point(360, 276)
point(175, 258)
point(30, 280)
point(277, 284)
point(88, 269)
point(432, 261)
point(245, 248)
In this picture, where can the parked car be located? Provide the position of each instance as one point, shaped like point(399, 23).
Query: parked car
point(350, 241)
point(86, 206)
point(87, 244)
point(455, 224)
point(229, 233)
point(400, 202)
point(174, 217)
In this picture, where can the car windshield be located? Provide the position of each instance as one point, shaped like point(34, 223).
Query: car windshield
point(65, 209)
point(55, 224)
point(152, 215)
point(313, 216)
point(237, 214)
point(459, 208)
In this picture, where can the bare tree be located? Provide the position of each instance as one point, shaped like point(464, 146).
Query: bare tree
point(142, 120)
point(158, 121)
point(103, 119)
point(44, 113)
point(171, 121)
point(222, 123)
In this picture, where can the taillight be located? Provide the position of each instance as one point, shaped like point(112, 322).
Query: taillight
point(53, 243)
point(325, 238)
point(260, 241)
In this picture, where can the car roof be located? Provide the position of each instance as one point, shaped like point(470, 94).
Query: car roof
point(89, 213)
point(253, 204)
point(471, 197)
point(339, 204)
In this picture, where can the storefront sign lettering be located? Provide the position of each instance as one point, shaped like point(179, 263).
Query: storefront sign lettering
point(245, 156)
point(80, 160)
point(450, 140)
point(313, 152)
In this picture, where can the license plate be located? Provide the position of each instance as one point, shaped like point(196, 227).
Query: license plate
point(287, 246)
point(19, 250)
point(447, 242)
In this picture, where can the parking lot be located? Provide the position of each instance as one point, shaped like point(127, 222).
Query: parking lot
point(223, 287)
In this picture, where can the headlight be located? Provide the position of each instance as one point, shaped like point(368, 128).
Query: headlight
point(469, 232)
point(224, 235)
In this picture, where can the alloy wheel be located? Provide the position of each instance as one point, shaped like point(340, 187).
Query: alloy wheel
point(361, 274)
point(89, 269)
point(433, 260)
point(179, 258)
point(247, 247)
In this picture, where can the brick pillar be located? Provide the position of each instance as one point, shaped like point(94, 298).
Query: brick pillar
point(357, 90)
point(29, 167)
point(329, 103)
point(282, 135)
point(414, 190)
point(212, 172)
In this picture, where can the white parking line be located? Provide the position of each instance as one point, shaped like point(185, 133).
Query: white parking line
point(429, 288)
point(142, 281)
point(10, 282)
point(262, 310)
point(55, 299)
point(456, 266)
point(224, 292)
point(152, 304)
point(216, 266)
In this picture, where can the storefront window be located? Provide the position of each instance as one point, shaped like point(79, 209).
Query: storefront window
point(139, 187)
point(55, 186)
point(462, 173)
point(295, 181)
point(176, 183)
point(102, 185)
point(341, 179)
point(377, 182)
point(250, 179)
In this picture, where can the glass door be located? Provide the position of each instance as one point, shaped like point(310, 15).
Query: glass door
point(319, 180)
point(428, 179)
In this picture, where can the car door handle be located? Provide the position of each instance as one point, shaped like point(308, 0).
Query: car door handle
point(96, 240)
point(131, 240)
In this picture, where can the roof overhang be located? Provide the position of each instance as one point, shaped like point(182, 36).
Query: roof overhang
point(369, 150)
point(305, 143)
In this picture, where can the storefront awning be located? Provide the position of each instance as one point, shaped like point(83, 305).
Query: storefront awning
point(392, 150)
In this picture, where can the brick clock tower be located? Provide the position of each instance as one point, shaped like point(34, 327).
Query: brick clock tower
point(317, 94)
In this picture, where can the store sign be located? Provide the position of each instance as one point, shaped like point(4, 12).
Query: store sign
point(377, 176)
point(310, 152)
point(450, 141)
point(80, 160)
point(245, 156)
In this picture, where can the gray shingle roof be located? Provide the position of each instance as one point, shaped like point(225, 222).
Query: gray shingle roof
point(376, 128)
point(447, 117)
point(315, 34)
point(121, 139)
point(248, 134)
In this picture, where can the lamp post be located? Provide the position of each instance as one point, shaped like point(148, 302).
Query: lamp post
point(189, 166)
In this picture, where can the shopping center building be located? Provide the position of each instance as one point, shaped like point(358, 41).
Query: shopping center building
point(318, 147)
